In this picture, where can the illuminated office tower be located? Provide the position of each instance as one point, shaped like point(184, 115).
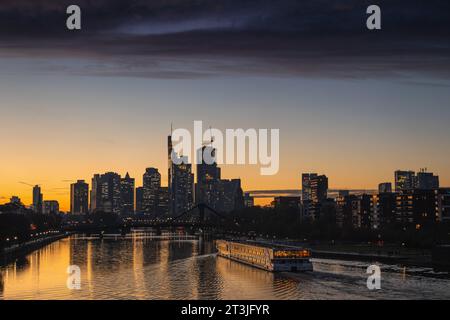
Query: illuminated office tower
point(105, 193)
point(208, 178)
point(231, 196)
point(182, 187)
point(150, 190)
point(163, 202)
point(79, 197)
point(169, 172)
point(127, 195)
point(139, 199)
point(180, 184)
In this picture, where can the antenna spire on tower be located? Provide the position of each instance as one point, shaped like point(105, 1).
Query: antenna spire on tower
point(211, 136)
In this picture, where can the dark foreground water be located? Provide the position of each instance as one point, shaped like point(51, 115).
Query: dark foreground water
point(141, 267)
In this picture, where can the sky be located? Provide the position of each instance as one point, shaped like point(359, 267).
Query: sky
point(350, 103)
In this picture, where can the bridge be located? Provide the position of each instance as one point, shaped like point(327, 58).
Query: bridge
point(201, 217)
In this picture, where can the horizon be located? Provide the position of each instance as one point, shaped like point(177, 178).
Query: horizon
point(344, 98)
point(262, 197)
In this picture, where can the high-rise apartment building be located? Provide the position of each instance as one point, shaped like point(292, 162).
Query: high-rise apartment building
point(306, 185)
point(319, 188)
point(426, 180)
point(314, 192)
point(37, 199)
point(416, 207)
point(404, 180)
point(443, 204)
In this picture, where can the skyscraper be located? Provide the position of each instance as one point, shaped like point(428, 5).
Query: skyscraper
point(127, 195)
point(208, 177)
point(180, 183)
point(163, 202)
point(169, 171)
point(139, 199)
point(150, 190)
point(404, 180)
point(79, 197)
point(37, 199)
point(105, 193)
point(319, 188)
point(231, 196)
point(319, 193)
point(306, 185)
point(307, 195)
point(181, 187)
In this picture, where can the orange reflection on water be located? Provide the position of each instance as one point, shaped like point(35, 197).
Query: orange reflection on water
point(44, 269)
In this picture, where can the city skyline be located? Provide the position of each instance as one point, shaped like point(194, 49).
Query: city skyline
point(261, 196)
point(345, 99)
point(224, 149)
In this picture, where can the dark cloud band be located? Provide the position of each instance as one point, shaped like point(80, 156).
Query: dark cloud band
point(175, 38)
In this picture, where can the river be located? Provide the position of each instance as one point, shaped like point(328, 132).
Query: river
point(142, 267)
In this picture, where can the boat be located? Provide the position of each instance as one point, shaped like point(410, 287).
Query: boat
point(267, 256)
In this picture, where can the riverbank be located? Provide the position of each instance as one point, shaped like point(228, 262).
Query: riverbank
point(387, 254)
point(11, 253)
point(390, 253)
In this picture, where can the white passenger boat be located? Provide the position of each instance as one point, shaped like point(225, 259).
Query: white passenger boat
point(267, 256)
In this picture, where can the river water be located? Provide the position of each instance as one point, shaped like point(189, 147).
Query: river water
point(142, 267)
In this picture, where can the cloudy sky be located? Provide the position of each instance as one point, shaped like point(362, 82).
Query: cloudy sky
point(352, 103)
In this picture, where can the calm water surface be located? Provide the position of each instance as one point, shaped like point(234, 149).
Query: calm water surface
point(144, 268)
